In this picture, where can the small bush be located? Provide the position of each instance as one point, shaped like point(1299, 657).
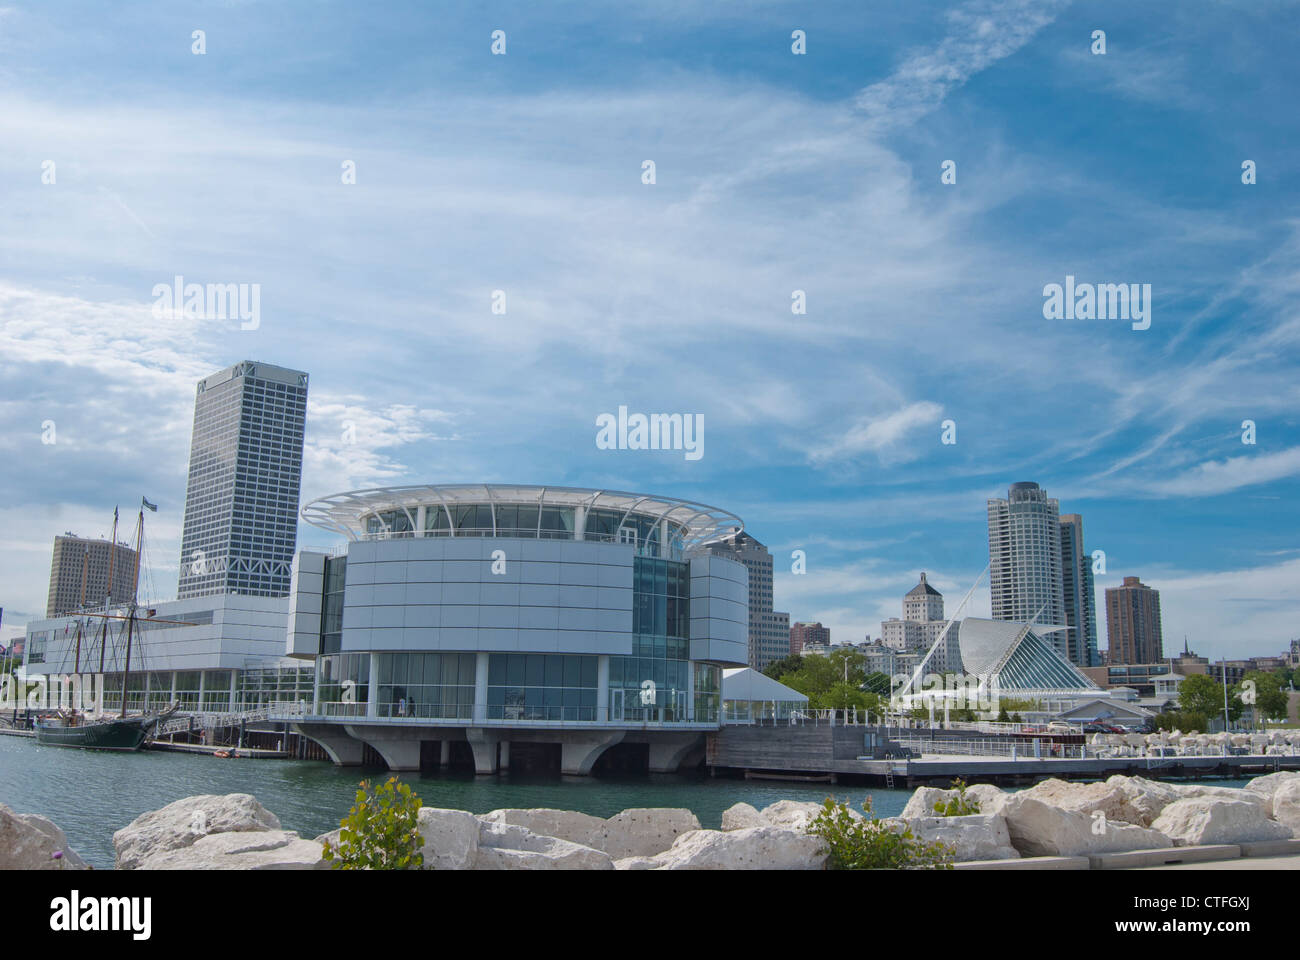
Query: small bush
point(960, 805)
point(853, 843)
point(381, 832)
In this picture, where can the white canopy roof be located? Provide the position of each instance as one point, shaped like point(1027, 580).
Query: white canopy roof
point(746, 683)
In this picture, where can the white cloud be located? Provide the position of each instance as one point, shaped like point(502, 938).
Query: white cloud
point(892, 437)
point(980, 34)
point(1223, 476)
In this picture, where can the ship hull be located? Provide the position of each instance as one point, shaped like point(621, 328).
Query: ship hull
point(125, 735)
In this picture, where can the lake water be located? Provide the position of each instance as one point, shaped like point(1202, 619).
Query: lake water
point(90, 794)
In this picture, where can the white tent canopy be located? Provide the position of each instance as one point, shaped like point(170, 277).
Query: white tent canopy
point(746, 683)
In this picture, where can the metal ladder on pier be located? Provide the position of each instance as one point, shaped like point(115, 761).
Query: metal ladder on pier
point(889, 776)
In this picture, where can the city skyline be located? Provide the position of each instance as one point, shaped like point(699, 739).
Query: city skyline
point(825, 429)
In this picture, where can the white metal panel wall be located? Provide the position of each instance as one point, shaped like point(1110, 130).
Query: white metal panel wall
point(306, 586)
point(440, 593)
point(719, 610)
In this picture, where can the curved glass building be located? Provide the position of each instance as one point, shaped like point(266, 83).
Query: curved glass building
point(507, 621)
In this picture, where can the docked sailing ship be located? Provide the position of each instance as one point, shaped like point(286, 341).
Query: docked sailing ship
point(73, 727)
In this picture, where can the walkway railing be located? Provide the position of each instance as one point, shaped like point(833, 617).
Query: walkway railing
point(1012, 749)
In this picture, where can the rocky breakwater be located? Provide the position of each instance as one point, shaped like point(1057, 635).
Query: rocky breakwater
point(29, 842)
point(1054, 818)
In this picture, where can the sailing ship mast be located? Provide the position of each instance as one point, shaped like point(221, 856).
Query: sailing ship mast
point(85, 563)
point(135, 590)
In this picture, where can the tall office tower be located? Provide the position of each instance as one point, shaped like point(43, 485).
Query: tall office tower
point(1080, 600)
point(1133, 631)
point(769, 630)
point(241, 503)
point(75, 557)
point(1025, 559)
point(805, 633)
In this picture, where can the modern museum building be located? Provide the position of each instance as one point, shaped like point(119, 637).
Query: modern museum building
point(516, 626)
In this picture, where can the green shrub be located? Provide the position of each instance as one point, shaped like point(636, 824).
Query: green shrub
point(854, 843)
point(381, 832)
point(960, 805)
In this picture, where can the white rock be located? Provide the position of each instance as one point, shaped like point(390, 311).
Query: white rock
point(244, 850)
point(181, 824)
point(30, 842)
point(752, 848)
point(568, 825)
point(922, 801)
point(795, 814)
point(1268, 785)
point(635, 863)
point(1200, 820)
point(980, 836)
point(644, 831)
point(449, 838)
point(738, 816)
point(637, 832)
point(504, 846)
point(1040, 830)
point(1286, 805)
point(1192, 791)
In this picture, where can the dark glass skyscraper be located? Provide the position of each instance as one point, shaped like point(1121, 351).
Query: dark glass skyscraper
point(1080, 599)
point(241, 502)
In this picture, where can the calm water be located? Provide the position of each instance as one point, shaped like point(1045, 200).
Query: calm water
point(90, 794)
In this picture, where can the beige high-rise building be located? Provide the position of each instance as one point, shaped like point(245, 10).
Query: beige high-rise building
point(1133, 631)
point(769, 630)
point(73, 555)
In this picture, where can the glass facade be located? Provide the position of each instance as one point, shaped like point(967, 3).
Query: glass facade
point(653, 684)
point(343, 684)
point(536, 686)
point(438, 686)
point(331, 622)
point(527, 521)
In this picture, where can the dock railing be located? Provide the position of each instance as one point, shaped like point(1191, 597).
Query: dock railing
point(1011, 749)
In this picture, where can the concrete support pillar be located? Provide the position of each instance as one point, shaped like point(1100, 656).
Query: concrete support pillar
point(503, 755)
point(444, 754)
point(667, 757)
point(480, 687)
point(400, 747)
point(419, 520)
point(484, 744)
point(579, 752)
point(344, 750)
point(372, 687)
point(602, 689)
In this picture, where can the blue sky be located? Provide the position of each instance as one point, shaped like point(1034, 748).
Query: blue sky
point(774, 173)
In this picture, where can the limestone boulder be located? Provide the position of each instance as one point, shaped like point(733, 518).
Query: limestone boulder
point(1039, 829)
point(921, 803)
point(1286, 805)
point(1143, 798)
point(503, 846)
point(644, 831)
point(635, 863)
point(1268, 785)
point(1194, 791)
point(183, 823)
point(568, 825)
point(751, 848)
point(738, 816)
point(637, 832)
point(242, 850)
point(794, 814)
point(449, 838)
point(31, 842)
point(1209, 819)
point(980, 836)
